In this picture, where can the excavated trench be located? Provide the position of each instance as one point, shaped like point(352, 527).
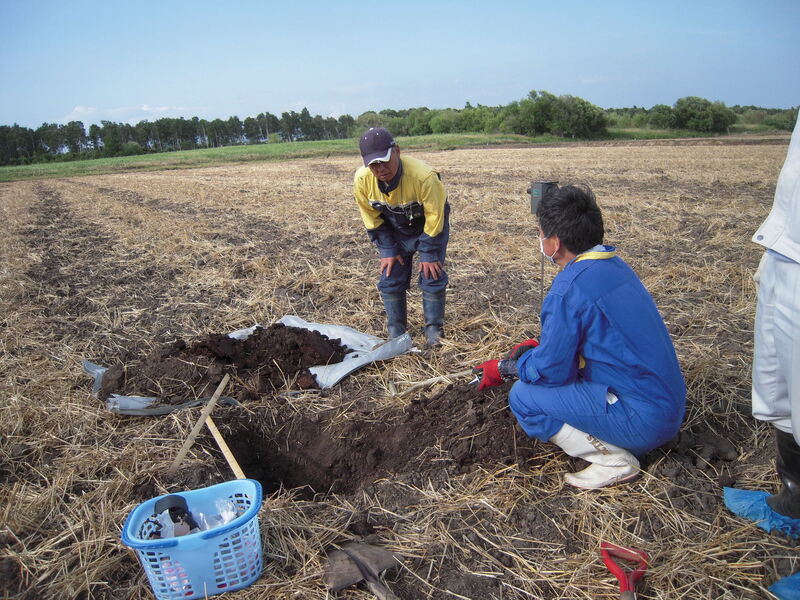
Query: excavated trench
point(450, 431)
point(453, 431)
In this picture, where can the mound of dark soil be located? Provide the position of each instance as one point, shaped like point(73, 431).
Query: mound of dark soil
point(268, 359)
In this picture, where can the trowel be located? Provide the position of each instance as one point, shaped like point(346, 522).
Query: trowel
point(360, 562)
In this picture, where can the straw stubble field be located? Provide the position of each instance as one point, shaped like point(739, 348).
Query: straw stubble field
point(106, 268)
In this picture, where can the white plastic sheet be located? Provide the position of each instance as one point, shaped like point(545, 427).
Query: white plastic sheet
point(365, 349)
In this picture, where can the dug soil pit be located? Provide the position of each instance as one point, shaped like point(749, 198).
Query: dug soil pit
point(451, 431)
point(266, 360)
point(447, 433)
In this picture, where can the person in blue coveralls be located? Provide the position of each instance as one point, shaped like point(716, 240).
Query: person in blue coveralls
point(776, 362)
point(604, 384)
point(404, 207)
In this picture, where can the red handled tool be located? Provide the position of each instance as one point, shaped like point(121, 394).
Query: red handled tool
point(627, 580)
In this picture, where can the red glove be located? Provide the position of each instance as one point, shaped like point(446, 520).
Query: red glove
point(521, 348)
point(490, 374)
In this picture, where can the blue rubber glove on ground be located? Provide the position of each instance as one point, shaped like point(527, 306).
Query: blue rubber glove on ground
point(752, 505)
point(787, 588)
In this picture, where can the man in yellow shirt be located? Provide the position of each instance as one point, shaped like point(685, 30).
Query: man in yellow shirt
point(404, 207)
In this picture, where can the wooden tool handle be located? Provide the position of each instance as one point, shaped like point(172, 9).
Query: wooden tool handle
point(226, 452)
point(432, 380)
point(199, 425)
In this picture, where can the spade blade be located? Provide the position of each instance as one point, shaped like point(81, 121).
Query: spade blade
point(341, 571)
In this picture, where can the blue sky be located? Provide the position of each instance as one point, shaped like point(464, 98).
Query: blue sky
point(124, 61)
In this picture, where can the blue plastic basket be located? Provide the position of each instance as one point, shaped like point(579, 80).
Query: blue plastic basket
point(205, 563)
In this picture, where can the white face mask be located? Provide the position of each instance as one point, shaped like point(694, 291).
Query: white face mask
point(549, 256)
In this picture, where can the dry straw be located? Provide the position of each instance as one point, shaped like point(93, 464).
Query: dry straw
point(106, 267)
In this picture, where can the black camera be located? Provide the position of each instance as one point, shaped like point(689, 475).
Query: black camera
point(538, 190)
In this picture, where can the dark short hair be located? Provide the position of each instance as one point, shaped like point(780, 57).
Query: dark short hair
point(571, 213)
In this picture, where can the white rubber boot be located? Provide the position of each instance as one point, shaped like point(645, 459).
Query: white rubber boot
point(610, 464)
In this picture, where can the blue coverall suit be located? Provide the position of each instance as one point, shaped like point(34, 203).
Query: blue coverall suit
point(601, 332)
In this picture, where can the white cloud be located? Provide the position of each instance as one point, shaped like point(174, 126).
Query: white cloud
point(128, 114)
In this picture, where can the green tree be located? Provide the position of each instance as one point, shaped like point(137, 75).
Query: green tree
point(234, 130)
point(369, 119)
point(95, 135)
point(290, 126)
point(699, 114)
point(131, 148)
point(534, 115)
point(141, 134)
point(661, 116)
point(468, 119)
point(444, 121)
point(51, 138)
point(309, 129)
point(17, 145)
point(345, 126)
point(507, 119)
point(269, 124)
point(201, 127)
point(74, 136)
point(252, 130)
point(782, 119)
point(216, 131)
point(112, 138)
point(575, 117)
point(419, 121)
point(753, 116)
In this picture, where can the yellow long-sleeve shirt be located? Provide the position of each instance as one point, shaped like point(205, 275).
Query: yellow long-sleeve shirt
point(417, 207)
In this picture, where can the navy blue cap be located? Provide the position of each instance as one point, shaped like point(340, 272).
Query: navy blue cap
point(376, 144)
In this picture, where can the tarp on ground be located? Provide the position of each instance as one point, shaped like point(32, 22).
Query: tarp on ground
point(364, 349)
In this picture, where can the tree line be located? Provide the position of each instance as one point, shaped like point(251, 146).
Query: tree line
point(537, 114)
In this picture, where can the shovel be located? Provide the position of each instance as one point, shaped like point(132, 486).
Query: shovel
point(360, 562)
point(627, 580)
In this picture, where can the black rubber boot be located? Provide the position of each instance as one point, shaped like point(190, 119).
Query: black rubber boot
point(433, 309)
point(396, 313)
point(787, 501)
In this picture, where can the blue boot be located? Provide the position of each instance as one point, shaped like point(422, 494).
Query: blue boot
point(433, 309)
point(396, 313)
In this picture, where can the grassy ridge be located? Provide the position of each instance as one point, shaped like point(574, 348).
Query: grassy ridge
point(206, 157)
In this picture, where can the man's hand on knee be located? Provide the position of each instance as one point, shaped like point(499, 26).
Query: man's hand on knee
point(431, 270)
point(389, 262)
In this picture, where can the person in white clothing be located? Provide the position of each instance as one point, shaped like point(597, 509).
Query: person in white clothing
point(776, 363)
point(776, 360)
